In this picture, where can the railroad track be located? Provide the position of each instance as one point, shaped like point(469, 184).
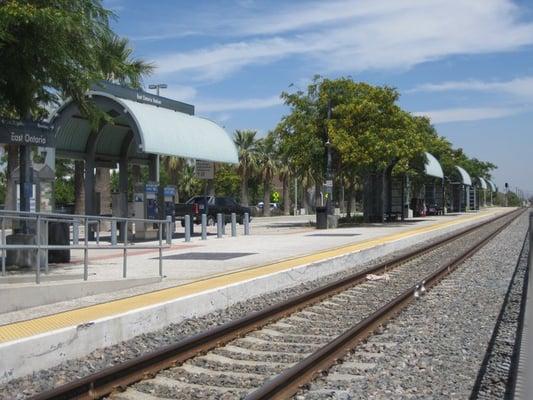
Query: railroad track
point(271, 353)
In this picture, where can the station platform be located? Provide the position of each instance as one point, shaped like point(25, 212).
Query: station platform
point(199, 277)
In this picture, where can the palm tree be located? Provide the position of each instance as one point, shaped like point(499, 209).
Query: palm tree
point(174, 167)
point(267, 166)
point(247, 148)
point(284, 172)
point(114, 57)
point(188, 182)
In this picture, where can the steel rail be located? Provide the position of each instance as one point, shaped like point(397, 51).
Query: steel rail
point(287, 383)
point(118, 377)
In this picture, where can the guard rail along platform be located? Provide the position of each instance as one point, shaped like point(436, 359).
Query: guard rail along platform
point(34, 226)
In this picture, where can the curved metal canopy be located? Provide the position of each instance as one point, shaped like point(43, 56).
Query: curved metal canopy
point(492, 185)
point(465, 177)
point(148, 128)
point(433, 167)
point(482, 183)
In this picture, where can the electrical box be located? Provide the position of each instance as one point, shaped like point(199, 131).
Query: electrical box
point(167, 198)
point(145, 206)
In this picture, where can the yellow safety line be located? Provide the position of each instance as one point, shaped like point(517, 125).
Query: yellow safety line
point(22, 329)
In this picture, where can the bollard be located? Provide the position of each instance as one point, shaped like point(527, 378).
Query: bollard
point(187, 228)
point(219, 225)
point(114, 232)
point(246, 224)
point(76, 232)
point(98, 232)
point(169, 229)
point(233, 225)
point(204, 226)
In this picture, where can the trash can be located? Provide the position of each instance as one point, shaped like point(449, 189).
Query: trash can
point(321, 218)
point(59, 234)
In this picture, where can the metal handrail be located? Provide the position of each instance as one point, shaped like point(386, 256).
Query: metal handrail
point(42, 219)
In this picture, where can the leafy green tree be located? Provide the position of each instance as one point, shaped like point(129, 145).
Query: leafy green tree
point(302, 135)
point(246, 143)
point(369, 130)
point(226, 181)
point(64, 185)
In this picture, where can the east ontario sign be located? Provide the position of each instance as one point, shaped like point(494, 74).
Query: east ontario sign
point(26, 133)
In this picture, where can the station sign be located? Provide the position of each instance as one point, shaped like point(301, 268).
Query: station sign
point(205, 169)
point(141, 96)
point(26, 133)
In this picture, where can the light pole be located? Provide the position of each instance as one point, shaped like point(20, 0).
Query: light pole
point(157, 87)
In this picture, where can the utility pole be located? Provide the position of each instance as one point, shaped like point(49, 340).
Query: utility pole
point(328, 186)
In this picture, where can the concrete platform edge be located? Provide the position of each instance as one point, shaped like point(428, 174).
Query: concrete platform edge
point(24, 356)
point(11, 299)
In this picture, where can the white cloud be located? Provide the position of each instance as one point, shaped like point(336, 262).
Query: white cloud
point(467, 114)
point(360, 35)
point(519, 87)
point(244, 104)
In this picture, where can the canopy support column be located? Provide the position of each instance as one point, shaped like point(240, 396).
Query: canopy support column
point(123, 180)
point(153, 168)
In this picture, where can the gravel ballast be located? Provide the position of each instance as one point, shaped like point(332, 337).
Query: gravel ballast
point(435, 347)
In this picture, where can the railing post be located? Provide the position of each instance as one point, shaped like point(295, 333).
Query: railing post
point(114, 232)
point(187, 228)
point(233, 224)
point(246, 224)
point(46, 269)
point(161, 247)
point(219, 225)
point(125, 256)
point(38, 266)
point(86, 251)
point(169, 229)
point(3, 249)
point(204, 226)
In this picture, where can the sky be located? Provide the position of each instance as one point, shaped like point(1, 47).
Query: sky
point(467, 64)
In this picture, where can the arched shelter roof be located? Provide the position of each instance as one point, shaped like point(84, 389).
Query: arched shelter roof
point(432, 166)
point(482, 183)
point(140, 128)
point(465, 177)
point(492, 185)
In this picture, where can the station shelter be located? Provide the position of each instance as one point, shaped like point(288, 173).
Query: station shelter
point(139, 128)
point(419, 195)
point(460, 199)
point(481, 191)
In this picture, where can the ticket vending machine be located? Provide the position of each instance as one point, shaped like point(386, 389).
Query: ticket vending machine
point(167, 199)
point(146, 206)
